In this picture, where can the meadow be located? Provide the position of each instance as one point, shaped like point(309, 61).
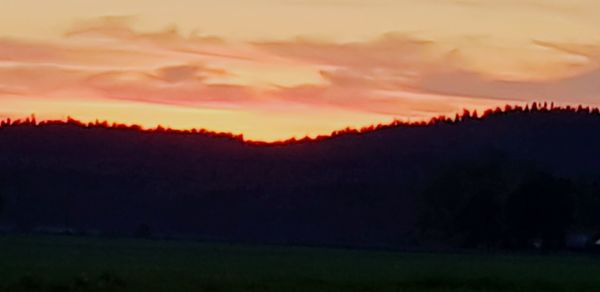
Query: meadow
point(65, 263)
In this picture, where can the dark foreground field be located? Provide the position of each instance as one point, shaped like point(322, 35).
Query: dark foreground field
point(87, 264)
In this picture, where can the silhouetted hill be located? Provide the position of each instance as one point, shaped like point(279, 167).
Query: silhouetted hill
point(352, 189)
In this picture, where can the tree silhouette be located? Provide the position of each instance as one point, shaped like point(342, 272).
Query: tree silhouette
point(464, 204)
point(541, 208)
point(587, 205)
point(495, 203)
point(2, 195)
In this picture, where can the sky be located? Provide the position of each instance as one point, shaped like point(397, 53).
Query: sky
point(276, 69)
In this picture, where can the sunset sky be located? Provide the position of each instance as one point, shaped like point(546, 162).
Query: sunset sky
point(275, 69)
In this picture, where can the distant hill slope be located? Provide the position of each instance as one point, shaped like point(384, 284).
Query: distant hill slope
point(352, 189)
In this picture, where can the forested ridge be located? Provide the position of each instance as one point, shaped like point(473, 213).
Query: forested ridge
point(499, 180)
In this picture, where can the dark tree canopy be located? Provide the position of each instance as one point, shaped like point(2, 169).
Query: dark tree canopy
point(495, 204)
point(464, 204)
point(541, 208)
point(465, 182)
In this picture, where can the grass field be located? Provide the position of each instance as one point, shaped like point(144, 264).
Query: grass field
point(41, 263)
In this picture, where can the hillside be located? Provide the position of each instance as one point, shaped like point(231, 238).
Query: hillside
point(351, 189)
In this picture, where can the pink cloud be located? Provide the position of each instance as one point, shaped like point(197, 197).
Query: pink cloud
point(390, 51)
point(395, 62)
point(14, 50)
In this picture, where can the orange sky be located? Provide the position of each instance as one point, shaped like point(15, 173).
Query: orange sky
point(275, 69)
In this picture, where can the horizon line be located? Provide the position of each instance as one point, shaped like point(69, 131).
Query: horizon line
point(458, 118)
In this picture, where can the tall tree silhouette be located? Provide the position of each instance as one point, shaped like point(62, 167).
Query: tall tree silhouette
point(587, 204)
point(464, 204)
point(2, 193)
point(540, 208)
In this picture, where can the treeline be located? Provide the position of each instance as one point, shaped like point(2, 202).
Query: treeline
point(466, 115)
point(509, 178)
